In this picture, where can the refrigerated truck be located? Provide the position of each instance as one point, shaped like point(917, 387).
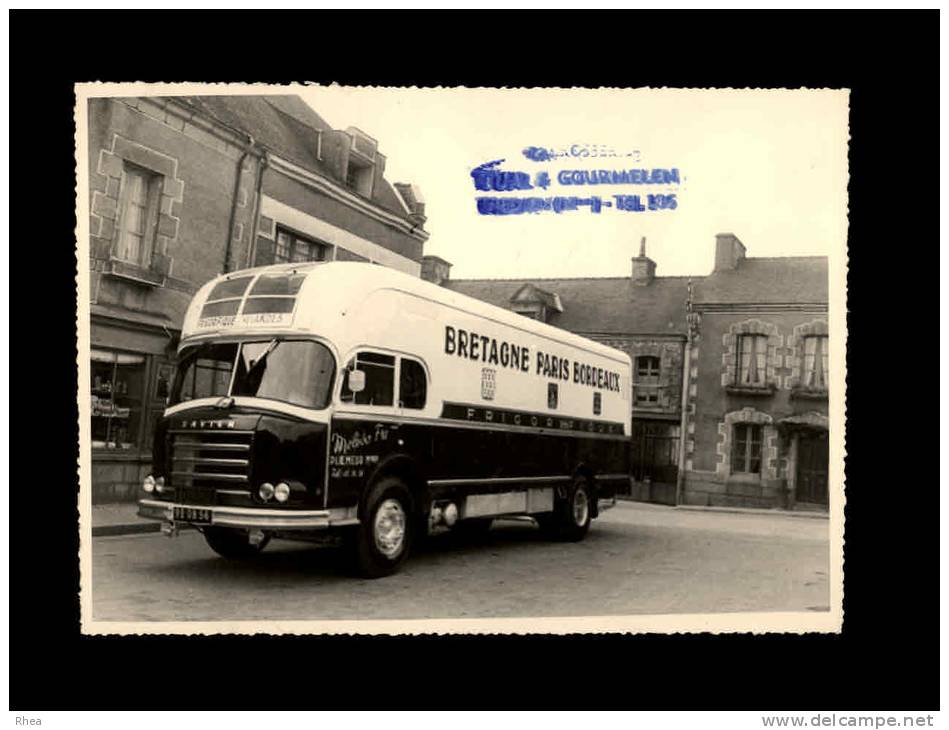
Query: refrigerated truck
point(350, 399)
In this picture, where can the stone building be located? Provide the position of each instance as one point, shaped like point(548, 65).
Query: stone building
point(751, 339)
point(758, 382)
point(185, 188)
point(641, 314)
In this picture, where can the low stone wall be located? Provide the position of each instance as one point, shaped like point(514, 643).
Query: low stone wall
point(708, 489)
point(118, 479)
point(657, 492)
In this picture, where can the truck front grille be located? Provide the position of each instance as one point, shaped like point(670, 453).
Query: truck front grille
point(204, 463)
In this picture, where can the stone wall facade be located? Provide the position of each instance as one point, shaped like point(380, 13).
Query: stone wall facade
point(212, 202)
point(717, 403)
point(198, 170)
point(669, 350)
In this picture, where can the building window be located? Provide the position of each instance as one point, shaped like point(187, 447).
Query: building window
point(138, 220)
point(815, 362)
point(412, 384)
point(359, 176)
point(117, 393)
point(380, 380)
point(531, 312)
point(752, 360)
point(292, 247)
point(646, 386)
point(746, 448)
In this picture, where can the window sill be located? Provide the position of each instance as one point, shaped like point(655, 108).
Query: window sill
point(809, 394)
point(132, 272)
point(755, 390)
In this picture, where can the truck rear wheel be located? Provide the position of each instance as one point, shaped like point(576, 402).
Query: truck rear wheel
point(385, 532)
point(232, 544)
point(570, 520)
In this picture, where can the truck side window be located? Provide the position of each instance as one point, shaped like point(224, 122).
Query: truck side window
point(380, 380)
point(412, 384)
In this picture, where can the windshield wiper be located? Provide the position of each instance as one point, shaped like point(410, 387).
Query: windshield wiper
point(271, 346)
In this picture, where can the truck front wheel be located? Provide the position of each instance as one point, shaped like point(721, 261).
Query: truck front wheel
point(385, 532)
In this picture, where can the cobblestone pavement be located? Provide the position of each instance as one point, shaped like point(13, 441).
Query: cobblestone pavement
point(637, 559)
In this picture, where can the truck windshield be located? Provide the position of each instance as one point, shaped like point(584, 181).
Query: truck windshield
point(300, 372)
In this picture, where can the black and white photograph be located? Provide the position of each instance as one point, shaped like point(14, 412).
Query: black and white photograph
point(377, 359)
point(401, 360)
point(473, 367)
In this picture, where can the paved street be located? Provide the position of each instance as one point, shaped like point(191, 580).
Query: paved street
point(637, 559)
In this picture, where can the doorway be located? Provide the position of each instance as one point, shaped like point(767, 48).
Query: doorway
point(812, 460)
point(655, 459)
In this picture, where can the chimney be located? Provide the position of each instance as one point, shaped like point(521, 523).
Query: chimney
point(729, 251)
point(414, 201)
point(644, 268)
point(435, 269)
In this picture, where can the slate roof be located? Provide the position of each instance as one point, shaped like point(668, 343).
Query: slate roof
point(778, 280)
point(289, 127)
point(597, 305)
point(618, 306)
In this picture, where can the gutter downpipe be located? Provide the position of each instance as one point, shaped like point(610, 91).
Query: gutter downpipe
point(262, 165)
point(234, 197)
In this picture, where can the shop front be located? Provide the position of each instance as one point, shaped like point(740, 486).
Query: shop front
point(130, 375)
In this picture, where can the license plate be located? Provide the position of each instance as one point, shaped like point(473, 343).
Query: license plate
point(192, 514)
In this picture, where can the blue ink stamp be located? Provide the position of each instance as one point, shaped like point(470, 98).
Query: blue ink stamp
point(490, 177)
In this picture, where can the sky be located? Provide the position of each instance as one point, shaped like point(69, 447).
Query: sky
point(768, 166)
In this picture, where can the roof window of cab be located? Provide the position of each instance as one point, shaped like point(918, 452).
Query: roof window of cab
point(272, 292)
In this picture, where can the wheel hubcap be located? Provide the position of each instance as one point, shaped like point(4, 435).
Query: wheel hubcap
point(581, 506)
point(388, 528)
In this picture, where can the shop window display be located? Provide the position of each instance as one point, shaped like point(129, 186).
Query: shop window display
point(117, 389)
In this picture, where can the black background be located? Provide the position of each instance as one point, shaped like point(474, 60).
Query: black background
point(886, 657)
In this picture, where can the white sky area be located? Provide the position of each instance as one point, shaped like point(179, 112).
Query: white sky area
point(768, 166)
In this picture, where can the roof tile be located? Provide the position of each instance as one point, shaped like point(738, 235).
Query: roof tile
point(777, 280)
point(597, 305)
point(618, 306)
point(286, 125)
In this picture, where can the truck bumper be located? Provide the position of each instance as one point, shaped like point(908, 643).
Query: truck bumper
point(244, 517)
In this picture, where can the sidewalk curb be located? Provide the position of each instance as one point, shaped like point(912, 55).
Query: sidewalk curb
point(728, 510)
point(131, 528)
point(144, 527)
point(752, 511)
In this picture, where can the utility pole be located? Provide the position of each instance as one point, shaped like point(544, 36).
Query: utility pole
point(692, 326)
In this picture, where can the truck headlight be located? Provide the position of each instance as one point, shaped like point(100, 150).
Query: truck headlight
point(266, 491)
point(149, 484)
point(282, 492)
